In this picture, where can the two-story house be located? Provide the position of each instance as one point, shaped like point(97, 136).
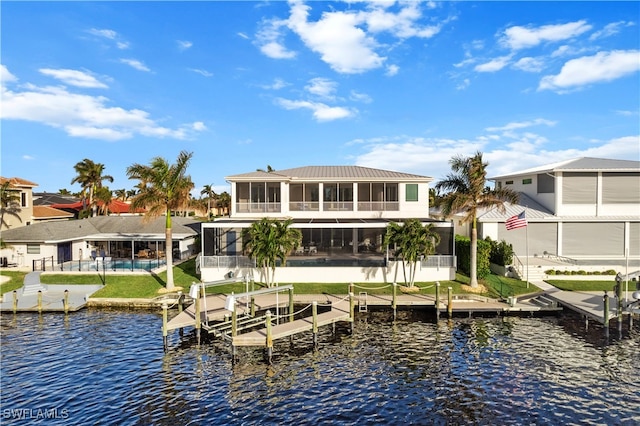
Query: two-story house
point(20, 212)
point(342, 213)
point(585, 209)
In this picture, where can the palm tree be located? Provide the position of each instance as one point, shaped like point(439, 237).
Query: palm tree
point(269, 169)
point(120, 194)
point(224, 201)
point(104, 196)
point(412, 241)
point(163, 188)
point(9, 202)
point(64, 191)
point(210, 193)
point(268, 241)
point(90, 178)
point(466, 191)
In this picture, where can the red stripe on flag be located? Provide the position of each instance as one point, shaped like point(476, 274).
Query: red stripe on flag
point(515, 222)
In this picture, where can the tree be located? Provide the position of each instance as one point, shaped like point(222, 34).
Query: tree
point(120, 194)
point(465, 191)
point(104, 196)
point(412, 241)
point(211, 195)
point(224, 201)
point(64, 191)
point(269, 169)
point(90, 178)
point(268, 241)
point(163, 188)
point(9, 202)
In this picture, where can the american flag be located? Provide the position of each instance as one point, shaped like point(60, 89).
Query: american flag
point(515, 222)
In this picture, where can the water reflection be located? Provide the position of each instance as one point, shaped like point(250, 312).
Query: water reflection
point(108, 367)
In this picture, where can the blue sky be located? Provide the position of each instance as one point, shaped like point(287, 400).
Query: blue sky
point(401, 86)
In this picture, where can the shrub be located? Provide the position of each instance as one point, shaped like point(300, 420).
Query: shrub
point(501, 252)
point(463, 252)
point(550, 272)
point(581, 272)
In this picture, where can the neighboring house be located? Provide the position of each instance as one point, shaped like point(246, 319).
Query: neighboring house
point(586, 210)
point(22, 213)
point(44, 213)
point(117, 237)
point(342, 213)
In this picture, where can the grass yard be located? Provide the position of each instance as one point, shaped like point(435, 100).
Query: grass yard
point(148, 285)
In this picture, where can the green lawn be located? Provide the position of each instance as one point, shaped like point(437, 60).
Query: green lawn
point(147, 286)
point(16, 281)
point(569, 285)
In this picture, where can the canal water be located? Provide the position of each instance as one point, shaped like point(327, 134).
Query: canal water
point(105, 367)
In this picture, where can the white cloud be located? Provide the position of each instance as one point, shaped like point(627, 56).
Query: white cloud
point(184, 44)
point(322, 87)
point(74, 78)
point(243, 35)
point(529, 64)
point(134, 63)
point(603, 66)
point(519, 37)
point(85, 116)
point(522, 125)
point(277, 84)
point(360, 97)
point(494, 65)
point(28, 157)
point(6, 76)
point(110, 35)
point(337, 38)
point(269, 38)
point(430, 156)
point(198, 126)
point(204, 73)
point(463, 84)
point(610, 29)
point(392, 70)
point(321, 112)
point(345, 40)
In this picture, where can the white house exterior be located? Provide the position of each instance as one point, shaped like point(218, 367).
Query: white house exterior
point(115, 237)
point(586, 210)
point(342, 212)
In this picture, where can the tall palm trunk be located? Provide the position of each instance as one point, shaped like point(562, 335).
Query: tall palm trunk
point(473, 275)
point(169, 251)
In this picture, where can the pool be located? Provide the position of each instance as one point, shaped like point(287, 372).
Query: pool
point(110, 264)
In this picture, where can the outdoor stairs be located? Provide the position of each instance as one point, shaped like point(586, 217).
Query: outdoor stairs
point(544, 302)
point(32, 284)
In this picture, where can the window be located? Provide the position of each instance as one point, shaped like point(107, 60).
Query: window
point(546, 183)
point(23, 199)
point(528, 181)
point(412, 192)
point(509, 182)
point(33, 248)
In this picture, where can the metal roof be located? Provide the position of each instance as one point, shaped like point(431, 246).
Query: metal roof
point(320, 223)
point(314, 173)
point(100, 227)
point(583, 164)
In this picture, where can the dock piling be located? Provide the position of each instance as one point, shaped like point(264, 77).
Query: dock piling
point(394, 301)
point(269, 342)
point(65, 301)
point(314, 312)
point(605, 314)
point(15, 301)
point(39, 301)
point(165, 331)
point(352, 309)
point(198, 320)
point(437, 301)
point(450, 302)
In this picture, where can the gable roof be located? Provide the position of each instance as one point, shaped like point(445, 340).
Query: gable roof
point(583, 164)
point(16, 182)
point(335, 173)
point(47, 212)
point(48, 198)
point(115, 206)
point(106, 227)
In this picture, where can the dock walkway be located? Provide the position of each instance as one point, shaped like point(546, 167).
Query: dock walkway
point(52, 296)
